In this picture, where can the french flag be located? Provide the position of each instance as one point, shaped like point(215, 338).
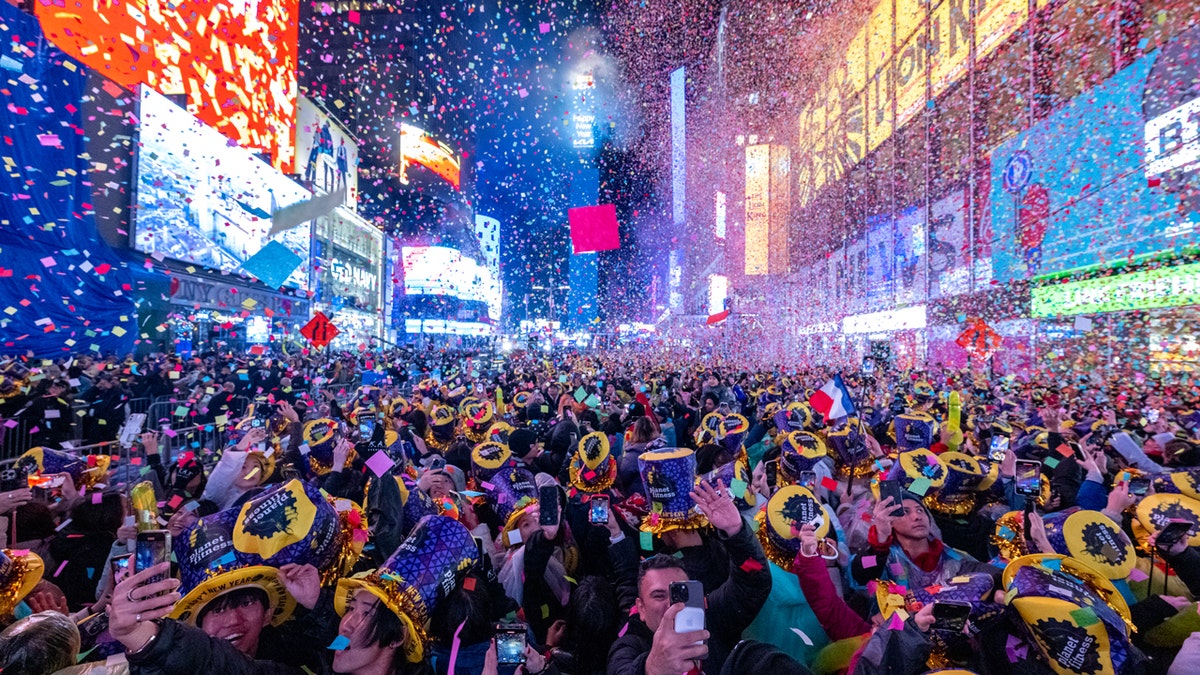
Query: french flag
point(832, 400)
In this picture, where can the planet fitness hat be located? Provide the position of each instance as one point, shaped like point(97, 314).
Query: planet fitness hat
point(592, 467)
point(512, 492)
point(736, 428)
point(1155, 511)
point(291, 523)
point(321, 437)
point(737, 477)
point(850, 452)
point(800, 451)
point(20, 572)
point(668, 476)
point(421, 573)
point(789, 509)
point(956, 495)
point(918, 471)
point(1076, 618)
point(85, 471)
point(914, 430)
point(1094, 538)
point(488, 458)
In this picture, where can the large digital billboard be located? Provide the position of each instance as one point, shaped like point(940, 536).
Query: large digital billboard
point(235, 61)
point(419, 149)
point(1149, 289)
point(438, 270)
point(326, 154)
point(201, 201)
point(1104, 178)
point(349, 257)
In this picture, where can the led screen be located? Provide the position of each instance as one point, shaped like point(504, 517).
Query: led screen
point(201, 201)
point(420, 149)
point(235, 60)
point(437, 270)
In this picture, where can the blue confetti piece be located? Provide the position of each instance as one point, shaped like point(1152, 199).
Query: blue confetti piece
point(273, 264)
point(339, 643)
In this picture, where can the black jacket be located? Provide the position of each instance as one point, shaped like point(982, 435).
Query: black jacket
point(731, 608)
point(181, 649)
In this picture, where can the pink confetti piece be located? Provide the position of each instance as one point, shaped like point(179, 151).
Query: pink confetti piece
point(61, 567)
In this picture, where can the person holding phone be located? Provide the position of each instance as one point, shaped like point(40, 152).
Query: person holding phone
point(905, 550)
point(651, 645)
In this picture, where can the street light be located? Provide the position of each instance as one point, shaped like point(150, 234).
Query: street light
point(552, 289)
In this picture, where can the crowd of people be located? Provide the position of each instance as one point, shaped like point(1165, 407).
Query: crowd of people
point(625, 513)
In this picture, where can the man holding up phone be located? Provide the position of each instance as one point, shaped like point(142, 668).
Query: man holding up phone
point(651, 645)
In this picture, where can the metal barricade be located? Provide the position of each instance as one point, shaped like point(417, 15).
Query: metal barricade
point(14, 438)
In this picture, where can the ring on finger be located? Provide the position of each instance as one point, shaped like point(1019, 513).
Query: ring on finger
point(129, 595)
point(138, 618)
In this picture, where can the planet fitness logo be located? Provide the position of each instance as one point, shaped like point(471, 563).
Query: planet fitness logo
point(1101, 542)
point(1070, 646)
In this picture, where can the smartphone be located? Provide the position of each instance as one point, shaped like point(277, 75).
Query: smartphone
point(1029, 477)
point(868, 366)
point(773, 472)
point(999, 448)
point(950, 616)
point(153, 547)
point(366, 425)
point(257, 422)
point(1139, 486)
point(691, 594)
point(548, 505)
point(891, 488)
point(808, 479)
point(479, 548)
point(120, 567)
point(1152, 415)
point(11, 480)
point(510, 643)
point(598, 510)
point(1173, 532)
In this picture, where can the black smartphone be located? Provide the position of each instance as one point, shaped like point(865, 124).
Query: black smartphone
point(510, 643)
point(598, 510)
point(998, 449)
point(891, 488)
point(950, 616)
point(153, 547)
point(691, 594)
point(773, 472)
point(1139, 486)
point(1173, 532)
point(479, 548)
point(548, 505)
point(808, 479)
point(11, 480)
point(1029, 477)
point(120, 567)
point(366, 426)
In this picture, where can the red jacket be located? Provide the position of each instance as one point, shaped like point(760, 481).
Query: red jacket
point(836, 617)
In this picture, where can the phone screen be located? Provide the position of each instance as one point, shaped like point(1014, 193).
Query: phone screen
point(1029, 477)
point(598, 510)
point(366, 426)
point(548, 505)
point(1139, 486)
point(891, 488)
point(153, 547)
point(773, 472)
point(510, 644)
point(120, 567)
point(951, 616)
point(1172, 533)
point(808, 479)
point(999, 448)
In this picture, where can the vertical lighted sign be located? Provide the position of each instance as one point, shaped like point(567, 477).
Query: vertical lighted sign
point(718, 290)
point(758, 209)
point(719, 230)
point(678, 147)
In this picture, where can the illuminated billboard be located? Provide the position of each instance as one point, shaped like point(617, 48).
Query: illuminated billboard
point(1052, 212)
point(758, 211)
point(1163, 287)
point(441, 271)
point(718, 292)
point(201, 201)
point(768, 209)
point(348, 260)
point(851, 112)
point(235, 61)
point(418, 148)
point(326, 154)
